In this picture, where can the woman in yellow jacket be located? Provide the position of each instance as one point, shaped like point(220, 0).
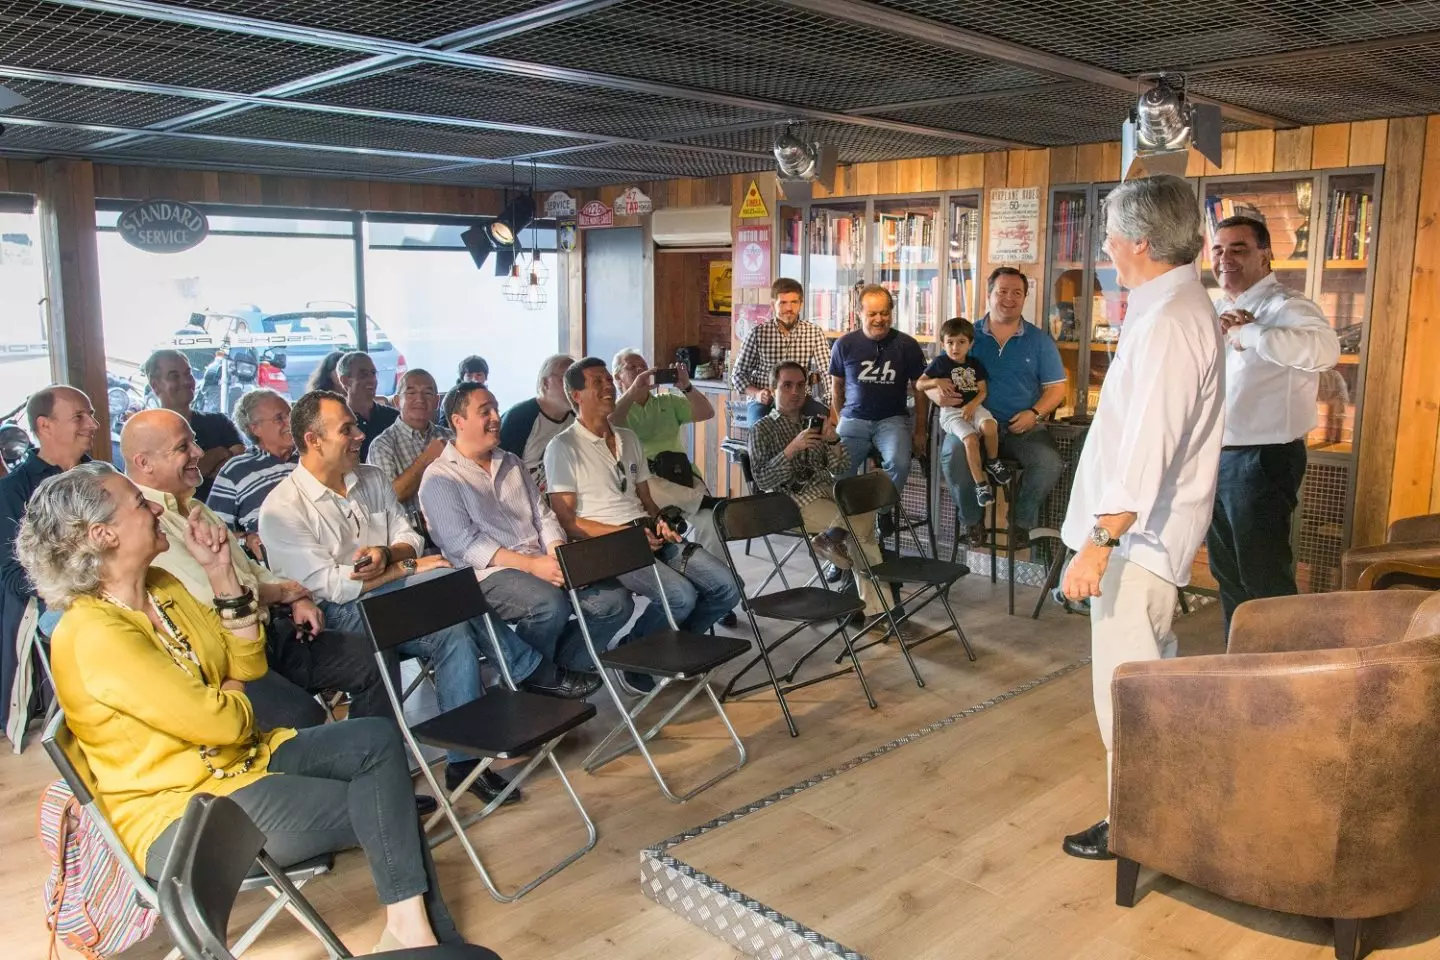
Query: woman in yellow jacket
point(153, 687)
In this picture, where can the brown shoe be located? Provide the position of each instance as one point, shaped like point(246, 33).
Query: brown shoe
point(976, 535)
point(831, 550)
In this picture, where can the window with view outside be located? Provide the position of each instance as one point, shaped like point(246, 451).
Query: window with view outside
point(24, 346)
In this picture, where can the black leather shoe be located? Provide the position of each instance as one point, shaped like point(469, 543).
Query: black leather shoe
point(1092, 844)
point(487, 786)
point(730, 619)
point(425, 804)
point(563, 684)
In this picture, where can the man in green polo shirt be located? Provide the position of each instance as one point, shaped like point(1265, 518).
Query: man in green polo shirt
point(657, 419)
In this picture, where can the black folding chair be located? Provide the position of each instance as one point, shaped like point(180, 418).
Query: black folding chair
point(70, 761)
point(760, 516)
point(670, 656)
point(502, 724)
point(739, 451)
point(216, 849)
point(874, 492)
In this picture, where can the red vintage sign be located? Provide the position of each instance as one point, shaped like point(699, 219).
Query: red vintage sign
point(596, 214)
point(752, 257)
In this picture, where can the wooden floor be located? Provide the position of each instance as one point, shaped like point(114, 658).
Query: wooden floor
point(1011, 780)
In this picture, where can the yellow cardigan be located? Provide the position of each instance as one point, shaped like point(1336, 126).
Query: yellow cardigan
point(140, 718)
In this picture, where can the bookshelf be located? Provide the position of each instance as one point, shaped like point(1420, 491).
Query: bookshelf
point(923, 248)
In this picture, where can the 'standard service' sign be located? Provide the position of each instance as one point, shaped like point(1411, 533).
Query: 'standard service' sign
point(163, 226)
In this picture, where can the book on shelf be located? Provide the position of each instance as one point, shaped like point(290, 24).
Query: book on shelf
point(1069, 229)
point(839, 235)
point(906, 237)
point(1351, 221)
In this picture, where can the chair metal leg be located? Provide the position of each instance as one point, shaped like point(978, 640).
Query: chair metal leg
point(1127, 872)
point(964, 641)
point(1052, 580)
point(1010, 565)
point(1349, 939)
point(1184, 603)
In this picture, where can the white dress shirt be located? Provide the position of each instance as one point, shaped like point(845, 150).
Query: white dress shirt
point(311, 533)
point(1273, 366)
point(1154, 446)
point(579, 462)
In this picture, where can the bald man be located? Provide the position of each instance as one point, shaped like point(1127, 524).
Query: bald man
point(63, 424)
point(161, 456)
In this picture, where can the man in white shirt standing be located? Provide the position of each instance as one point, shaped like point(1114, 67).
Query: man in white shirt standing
point(1277, 343)
point(1146, 478)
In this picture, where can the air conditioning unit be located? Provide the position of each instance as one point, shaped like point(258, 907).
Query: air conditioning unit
point(691, 227)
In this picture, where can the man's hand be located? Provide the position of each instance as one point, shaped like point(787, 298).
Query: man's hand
point(1023, 422)
point(831, 431)
point(1082, 577)
point(764, 397)
point(304, 611)
point(547, 568)
point(948, 395)
point(256, 548)
point(805, 440)
point(208, 543)
point(434, 562)
point(291, 591)
point(371, 570)
point(213, 459)
point(667, 534)
point(1233, 320)
point(682, 375)
point(656, 542)
point(433, 449)
point(641, 384)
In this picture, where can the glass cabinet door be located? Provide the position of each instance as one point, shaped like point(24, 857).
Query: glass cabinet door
point(1107, 301)
point(1343, 292)
point(792, 245)
point(907, 262)
point(837, 266)
point(1065, 299)
point(1284, 204)
point(964, 296)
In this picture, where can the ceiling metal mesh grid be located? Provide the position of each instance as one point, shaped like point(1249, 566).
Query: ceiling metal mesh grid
point(262, 157)
point(413, 21)
point(61, 101)
point(853, 144)
point(51, 37)
point(664, 162)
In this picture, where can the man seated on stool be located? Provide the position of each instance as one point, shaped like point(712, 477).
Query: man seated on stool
point(791, 454)
point(335, 526)
point(599, 484)
point(958, 383)
point(162, 459)
point(243, 483)
point(487, 515)
point(404, 449)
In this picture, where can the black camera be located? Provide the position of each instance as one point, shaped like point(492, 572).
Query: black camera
point(673, 518)
point(815, 423)
point(666, 376)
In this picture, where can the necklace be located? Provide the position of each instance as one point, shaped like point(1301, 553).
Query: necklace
point(178, 646)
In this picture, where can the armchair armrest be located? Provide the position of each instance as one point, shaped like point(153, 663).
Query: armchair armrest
point(1357, 559)
point(1324, 621)
point(1409, 529)
point(1400, 573)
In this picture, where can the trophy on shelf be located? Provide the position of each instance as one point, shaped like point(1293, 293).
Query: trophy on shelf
point(1302, 232)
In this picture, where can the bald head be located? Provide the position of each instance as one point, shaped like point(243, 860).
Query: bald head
point(160, 452)
point(63, 423)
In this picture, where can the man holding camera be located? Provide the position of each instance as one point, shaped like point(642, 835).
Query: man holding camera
point(599, 483)
point(800, 455)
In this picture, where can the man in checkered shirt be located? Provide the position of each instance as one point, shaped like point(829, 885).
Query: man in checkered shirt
point(802, 462)
point(405, 448)
point(783, 338)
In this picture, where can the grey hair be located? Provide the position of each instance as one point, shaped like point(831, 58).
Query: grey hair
point(347, 362)
point(244, 413)
point(1162, 210)
point(152, 362)
point(621, 357)
point(545, 366)
point(54, 544)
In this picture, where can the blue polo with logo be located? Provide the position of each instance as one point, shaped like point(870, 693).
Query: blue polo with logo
point(1019, 371)
point(877, 373)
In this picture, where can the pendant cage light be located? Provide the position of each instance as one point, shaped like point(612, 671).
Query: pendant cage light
point(536, 276)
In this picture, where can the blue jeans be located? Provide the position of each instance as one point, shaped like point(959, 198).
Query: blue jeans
point(698, 597)
point(891, 437)
point(756, 410)
point(540, 614)
point(1037, 456)
point(48, 621)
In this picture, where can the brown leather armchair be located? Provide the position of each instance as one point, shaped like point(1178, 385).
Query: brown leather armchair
point(1413, 539)
point(1298, 771)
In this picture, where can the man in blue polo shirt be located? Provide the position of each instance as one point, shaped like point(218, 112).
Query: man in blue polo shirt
point(1026, 384)
point(871, 370)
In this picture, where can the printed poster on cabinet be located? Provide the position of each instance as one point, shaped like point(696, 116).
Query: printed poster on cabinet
point(1015, 225)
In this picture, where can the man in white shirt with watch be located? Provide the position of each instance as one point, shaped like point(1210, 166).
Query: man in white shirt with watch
point(1277, 343)
point(1146, 478)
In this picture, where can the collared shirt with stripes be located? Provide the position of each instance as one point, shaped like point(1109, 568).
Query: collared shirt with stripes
point(242, 485)
point(809, 476)
point(768, 346)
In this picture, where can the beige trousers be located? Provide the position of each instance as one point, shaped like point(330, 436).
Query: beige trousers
point(702, 522)
point(821, 515)
point(1130, 620)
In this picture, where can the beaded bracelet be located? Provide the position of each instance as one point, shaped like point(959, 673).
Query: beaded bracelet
point(236, 613)
point(241, 623)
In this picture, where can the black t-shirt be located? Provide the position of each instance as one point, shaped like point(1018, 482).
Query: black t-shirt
point(212, 430)
point(966, 375)
point(372, 426)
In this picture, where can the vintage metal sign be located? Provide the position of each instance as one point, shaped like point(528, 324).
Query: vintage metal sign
point(163, 226)
point(596, 214)
point(632, 203)
point(559, 204)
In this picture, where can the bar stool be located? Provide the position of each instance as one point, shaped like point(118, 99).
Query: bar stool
point(992, 527)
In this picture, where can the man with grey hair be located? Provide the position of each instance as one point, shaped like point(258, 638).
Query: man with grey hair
point(1146, 478)
point(243, 483)
point(527, 428)
point(173, 383)
point(404, 449)
point(358, 379)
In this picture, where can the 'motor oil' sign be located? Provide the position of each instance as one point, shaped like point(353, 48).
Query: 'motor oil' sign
point(163, 226)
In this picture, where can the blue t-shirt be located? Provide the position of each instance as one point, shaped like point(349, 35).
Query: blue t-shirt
point(1018, 373)
point(966, 375)
point(877, 373)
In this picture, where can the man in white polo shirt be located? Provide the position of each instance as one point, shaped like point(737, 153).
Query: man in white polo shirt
point(598, 484)
point(1146, 478)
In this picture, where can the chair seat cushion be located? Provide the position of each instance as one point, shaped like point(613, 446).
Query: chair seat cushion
point(503, 723)
point(918, 570)
point(674, 653)
point(805, 604)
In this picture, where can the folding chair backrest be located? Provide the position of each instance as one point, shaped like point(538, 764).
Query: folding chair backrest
point(420, 609)
point(601, 558)
point(214, 851)
point(867, 492)
point(760, 515)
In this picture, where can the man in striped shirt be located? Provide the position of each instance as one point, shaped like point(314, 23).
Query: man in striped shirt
point(404, 449)
point(263, 419)
point(784, 338)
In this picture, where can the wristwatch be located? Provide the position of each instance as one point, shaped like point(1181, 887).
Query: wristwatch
point(408, 566)
point(687, 388)
point(1101, 537)
point(1038, 414)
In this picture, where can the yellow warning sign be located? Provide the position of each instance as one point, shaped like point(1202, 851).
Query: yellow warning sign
point(754, 206)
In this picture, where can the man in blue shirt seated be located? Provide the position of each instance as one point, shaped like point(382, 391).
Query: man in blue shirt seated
point(1026, 384)
point(871, 370)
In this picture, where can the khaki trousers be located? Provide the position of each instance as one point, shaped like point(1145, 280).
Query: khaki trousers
point(821, 515)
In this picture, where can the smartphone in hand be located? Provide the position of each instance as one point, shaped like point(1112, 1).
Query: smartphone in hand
point(816, 423)
point(666, 375)
point(363, 562)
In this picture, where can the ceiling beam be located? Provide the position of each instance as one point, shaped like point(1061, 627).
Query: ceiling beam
point(452, 158)
point(305, 106)
point(1381, 44)
point(466, 39)
point(375, 46)
point(946, 36)
point(975, 97)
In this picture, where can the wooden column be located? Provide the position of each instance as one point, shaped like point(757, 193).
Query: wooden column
point(66, 193)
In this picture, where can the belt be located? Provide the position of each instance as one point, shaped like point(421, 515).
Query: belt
point(1261, 446)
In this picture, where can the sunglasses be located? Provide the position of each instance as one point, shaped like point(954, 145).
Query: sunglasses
point(620, 476)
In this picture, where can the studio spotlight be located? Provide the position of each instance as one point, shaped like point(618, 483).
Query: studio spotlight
point(1163, 125)
point(801, 164)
